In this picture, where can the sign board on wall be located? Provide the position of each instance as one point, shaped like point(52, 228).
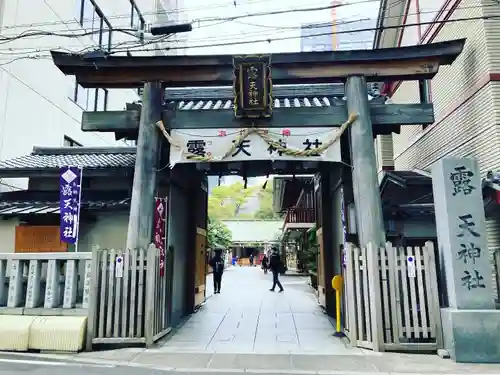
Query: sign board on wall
point(215, 143)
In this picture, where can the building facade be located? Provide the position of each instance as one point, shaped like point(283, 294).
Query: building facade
point(38, 104)
point(466, 94)
point(331, 36)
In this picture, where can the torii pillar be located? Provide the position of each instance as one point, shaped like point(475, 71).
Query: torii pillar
point(367, 202)
point(140, 225)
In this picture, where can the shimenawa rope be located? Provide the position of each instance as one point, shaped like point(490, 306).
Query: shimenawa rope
point(265, 136)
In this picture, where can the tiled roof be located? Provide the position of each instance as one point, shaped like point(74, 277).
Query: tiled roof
point(43, 202)
point(313, 101)
point(252, 231)
point(279, 91)
point(90, 158)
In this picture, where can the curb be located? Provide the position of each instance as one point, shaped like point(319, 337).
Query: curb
point(66, 358)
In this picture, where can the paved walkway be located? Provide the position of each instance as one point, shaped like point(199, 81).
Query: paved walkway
point(248, 329)
point(247, 318)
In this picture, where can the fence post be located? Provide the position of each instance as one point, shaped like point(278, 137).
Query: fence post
point(436, 308)
point(375, 297)
point(393, 275)
point(350, 295)
point(93, 293)
point(151, 270)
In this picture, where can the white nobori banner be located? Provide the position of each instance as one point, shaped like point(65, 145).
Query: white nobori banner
point(214, 143)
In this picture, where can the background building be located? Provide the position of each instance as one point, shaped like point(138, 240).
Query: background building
point(466, 95)
point(38, 104)
point(325, 36)
point(340, 32)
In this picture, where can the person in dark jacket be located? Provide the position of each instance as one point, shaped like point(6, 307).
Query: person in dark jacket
point(276, 266)
point(265, 263)
point(217, 264)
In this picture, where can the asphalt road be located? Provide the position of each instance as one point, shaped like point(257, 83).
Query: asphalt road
point(13, 364)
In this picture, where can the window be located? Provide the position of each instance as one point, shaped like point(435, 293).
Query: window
point(90, 99)
point(80, 96)
point(69, 142)
point(101, 99)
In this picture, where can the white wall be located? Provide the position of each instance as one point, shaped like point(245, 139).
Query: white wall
point(8, 235)
point(35, 104)
point(109, 231)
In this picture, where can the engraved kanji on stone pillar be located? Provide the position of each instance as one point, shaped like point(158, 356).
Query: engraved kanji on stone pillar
point(15, 284)
point(52, 287)
point(33, 288)
point(70, 285)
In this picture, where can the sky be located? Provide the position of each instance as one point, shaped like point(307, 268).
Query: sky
point(208, 28)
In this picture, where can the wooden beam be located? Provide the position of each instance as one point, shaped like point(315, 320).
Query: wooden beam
point(383, 116)
point(404, 63)
point(217, 76)
point(110, 121)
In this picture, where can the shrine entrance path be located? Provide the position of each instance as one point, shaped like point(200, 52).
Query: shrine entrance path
point(247, 318)
point(248, 329)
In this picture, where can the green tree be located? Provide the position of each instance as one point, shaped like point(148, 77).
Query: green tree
point(225, 201)
point(218, 234)
point(266, 209)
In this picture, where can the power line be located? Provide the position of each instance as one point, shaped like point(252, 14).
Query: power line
point(229, 37)
point(285, 11)
point(128, 15)
point(140, 47)
point(128, 31)
point(270, 40)
point(35, 33)
point(28, 33)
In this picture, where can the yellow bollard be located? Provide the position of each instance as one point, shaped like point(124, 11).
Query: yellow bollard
point(338, 284)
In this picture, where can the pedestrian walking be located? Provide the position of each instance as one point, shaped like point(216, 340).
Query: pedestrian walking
point(277, 267)
point(217, 264)
point(265, 263)
point(251, 260)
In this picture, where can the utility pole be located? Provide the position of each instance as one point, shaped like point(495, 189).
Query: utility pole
point(140, 225)
point(368, 206)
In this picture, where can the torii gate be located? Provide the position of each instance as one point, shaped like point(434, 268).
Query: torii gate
point(260, 80)
point(354, 68)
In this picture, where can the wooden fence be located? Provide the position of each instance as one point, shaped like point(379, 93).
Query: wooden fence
point(391, 298)
point(128, 297)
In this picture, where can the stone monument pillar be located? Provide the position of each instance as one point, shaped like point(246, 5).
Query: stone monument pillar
point(471, 325)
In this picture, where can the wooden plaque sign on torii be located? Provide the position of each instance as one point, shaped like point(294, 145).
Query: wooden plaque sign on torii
point(265, 91)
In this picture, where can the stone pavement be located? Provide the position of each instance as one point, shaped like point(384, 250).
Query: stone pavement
point(247, 328)
point(247, 318)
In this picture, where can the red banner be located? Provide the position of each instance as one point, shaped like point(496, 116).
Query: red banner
point(160, 230)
